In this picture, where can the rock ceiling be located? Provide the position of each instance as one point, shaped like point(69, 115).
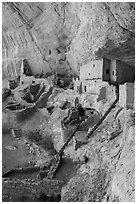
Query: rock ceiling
point(66, 35)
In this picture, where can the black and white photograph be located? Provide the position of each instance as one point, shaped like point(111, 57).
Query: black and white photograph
point(68, 101)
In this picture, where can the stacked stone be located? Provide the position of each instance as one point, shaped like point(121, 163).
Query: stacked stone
point(15, 188)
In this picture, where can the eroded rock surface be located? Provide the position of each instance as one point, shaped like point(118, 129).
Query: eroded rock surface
point(110, 162)
point(63, 36)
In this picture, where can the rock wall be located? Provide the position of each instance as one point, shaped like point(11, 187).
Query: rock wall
point(108, 175)
point(65, 36)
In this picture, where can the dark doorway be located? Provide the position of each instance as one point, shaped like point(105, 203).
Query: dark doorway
point(107, 71)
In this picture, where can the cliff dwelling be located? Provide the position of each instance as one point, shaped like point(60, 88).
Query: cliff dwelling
point(68, 107)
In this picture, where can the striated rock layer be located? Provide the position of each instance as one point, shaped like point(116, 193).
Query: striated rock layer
point(63, 36)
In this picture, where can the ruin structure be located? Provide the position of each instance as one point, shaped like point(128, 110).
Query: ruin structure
point(68, 109)
point(127, 95)
point(101, 76)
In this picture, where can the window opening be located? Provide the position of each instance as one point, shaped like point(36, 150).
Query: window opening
point(85, 88)
point(107, 71)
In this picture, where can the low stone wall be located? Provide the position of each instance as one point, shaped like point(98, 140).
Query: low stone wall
point(15, 188)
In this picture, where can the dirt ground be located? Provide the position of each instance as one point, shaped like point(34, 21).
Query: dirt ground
point(15, 154)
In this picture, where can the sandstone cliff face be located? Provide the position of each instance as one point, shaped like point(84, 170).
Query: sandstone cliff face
point(64, 36)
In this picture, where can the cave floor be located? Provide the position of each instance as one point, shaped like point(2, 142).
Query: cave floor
point(15, 154)
point(20, 152)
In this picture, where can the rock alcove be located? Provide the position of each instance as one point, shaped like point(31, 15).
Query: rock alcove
point(55, 39)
